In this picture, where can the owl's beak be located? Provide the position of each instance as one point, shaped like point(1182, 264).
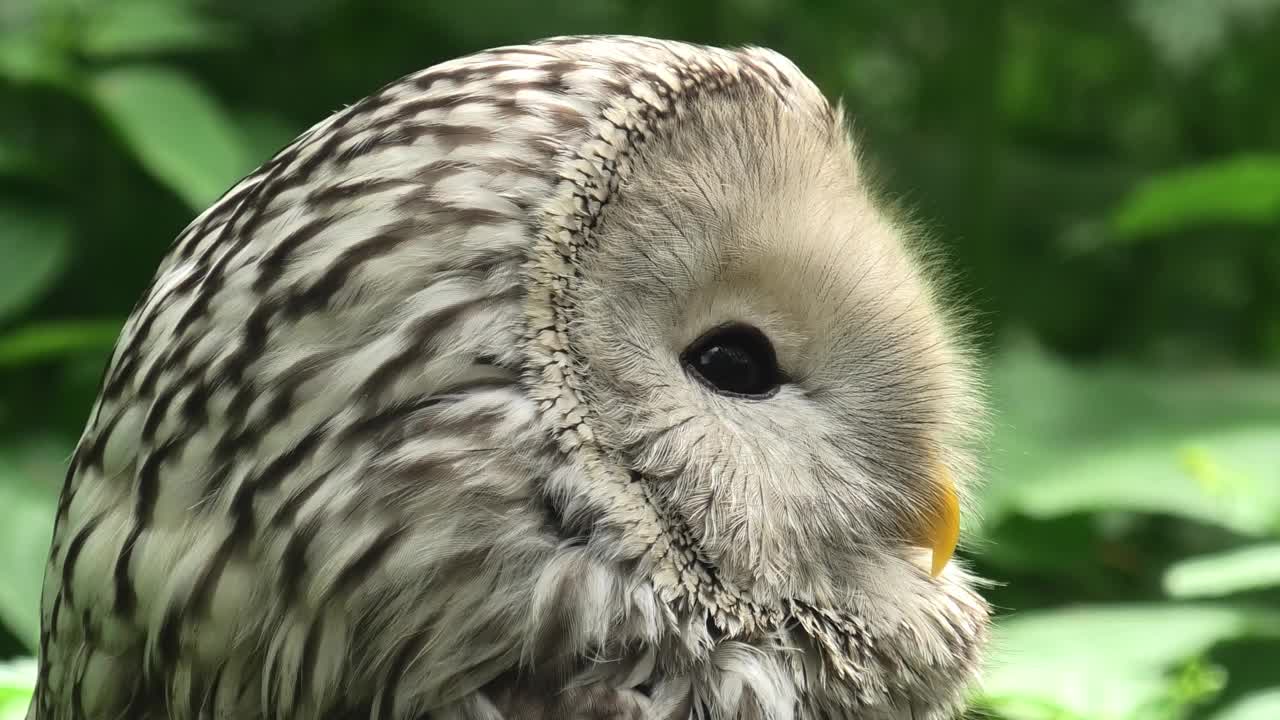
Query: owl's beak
point(941, 530)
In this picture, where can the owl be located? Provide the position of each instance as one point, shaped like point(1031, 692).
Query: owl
point(578, 379)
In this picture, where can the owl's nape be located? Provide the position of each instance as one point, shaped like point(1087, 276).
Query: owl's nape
point(570, 380)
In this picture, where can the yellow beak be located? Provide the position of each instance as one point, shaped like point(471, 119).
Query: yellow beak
point(941, 530)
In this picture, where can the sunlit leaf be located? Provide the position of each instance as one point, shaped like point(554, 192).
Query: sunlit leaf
point(1195, 445)
point(1243, 190)
point(1226, 477)
point(30, 476)
point(37, 343)
point(34, 248)
point(137, 27)
point(1238, 570)
point(17, 682)
point(1263, 705)
point(1106, 662)
point(176, 130)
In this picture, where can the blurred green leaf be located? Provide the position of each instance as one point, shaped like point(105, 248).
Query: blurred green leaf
point(17, 683)
point(1263, 705)
point(1224, 477)
point(1241, 569)
point(30, 477)
point(1242, 189)
point(1187, 33)
point(26, 60)
point(34, 247)
point(176, 130)
point(1106, 662)
point(140, 27)
point(1195, 445)
point(51, 340)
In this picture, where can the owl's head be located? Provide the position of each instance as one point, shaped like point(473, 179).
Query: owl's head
point(587, 365)
point(747, 356)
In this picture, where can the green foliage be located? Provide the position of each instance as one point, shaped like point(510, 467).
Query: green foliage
point(1242, 190)
point(35, 246)
point(1113, 662)
point(174, 129)
point(27, 498)
point(142, 27)
point(17, 681)
point(1197, 444)
point(1103, 476)
point(1251, 567)
point(1263, 705)
point(32, 345)
point(1102, 177)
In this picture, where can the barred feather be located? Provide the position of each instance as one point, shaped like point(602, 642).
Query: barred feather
point(398, 430)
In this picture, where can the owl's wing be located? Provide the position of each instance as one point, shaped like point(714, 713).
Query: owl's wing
point(310, 438)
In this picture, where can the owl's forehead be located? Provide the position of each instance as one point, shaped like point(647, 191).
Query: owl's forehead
point(764, 201)
point(737, 147)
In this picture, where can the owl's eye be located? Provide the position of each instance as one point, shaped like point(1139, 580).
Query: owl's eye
point(735, 360)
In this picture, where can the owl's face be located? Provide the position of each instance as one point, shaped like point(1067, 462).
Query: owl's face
point(754, 347)
point(764, 353)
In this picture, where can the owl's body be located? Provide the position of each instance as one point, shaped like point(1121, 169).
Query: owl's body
point(407, 425)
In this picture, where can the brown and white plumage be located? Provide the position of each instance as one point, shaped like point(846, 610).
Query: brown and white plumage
point(406, 427)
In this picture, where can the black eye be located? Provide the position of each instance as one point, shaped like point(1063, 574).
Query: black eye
point(735, 360)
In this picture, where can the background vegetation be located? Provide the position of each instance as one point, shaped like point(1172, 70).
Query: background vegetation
point(1104, 175)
